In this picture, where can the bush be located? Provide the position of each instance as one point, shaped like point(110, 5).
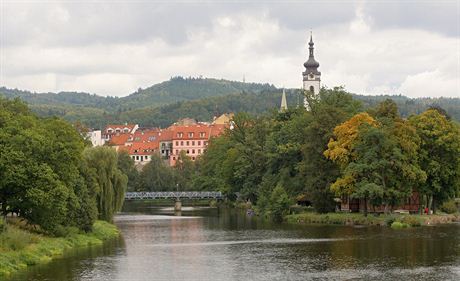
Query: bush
point(2, 225)
point(390, 220)
point(449, 207)
point(398, 225)
point(279, 204)
point(410, 220)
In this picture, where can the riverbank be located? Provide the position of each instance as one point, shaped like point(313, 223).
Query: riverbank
point(20, 249)
point(381, 220)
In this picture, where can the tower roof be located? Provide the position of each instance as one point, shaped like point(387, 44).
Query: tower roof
point(311, 65)
point(283, 106)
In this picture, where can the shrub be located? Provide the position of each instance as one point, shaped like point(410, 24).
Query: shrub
point(398, 225)
point(2, 225)
point(449, 207)
point(410, 220)
point(279, 203)
point(390, 220)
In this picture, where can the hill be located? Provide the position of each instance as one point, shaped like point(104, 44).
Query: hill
point(200, 98)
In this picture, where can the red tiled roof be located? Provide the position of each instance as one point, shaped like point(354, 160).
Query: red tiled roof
point(166, 135)
point(119, 139)
point(143, 148)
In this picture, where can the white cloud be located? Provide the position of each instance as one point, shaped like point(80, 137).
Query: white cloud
point(252, 43)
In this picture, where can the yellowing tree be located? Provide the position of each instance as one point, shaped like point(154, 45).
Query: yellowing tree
point(340, 149)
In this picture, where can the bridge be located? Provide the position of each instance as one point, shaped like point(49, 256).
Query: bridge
point(177, 195)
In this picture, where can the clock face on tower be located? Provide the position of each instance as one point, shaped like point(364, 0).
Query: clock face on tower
point(312, 76)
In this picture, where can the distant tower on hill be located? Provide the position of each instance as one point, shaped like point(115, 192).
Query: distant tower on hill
point(283, 106)
point(311, 75)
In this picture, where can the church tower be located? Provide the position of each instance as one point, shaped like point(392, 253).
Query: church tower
point(311, 75)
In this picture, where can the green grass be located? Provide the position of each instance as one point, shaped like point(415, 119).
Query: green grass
point(360, 219)
point(20, 249)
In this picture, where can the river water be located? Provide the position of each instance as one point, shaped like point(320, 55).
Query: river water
point(211, 244)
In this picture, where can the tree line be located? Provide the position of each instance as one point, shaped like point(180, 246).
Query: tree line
point(336, 148)
point(50, 177)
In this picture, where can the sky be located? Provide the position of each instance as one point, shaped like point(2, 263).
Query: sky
point(115, 47)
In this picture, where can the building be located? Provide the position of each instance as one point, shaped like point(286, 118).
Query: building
point(114, 130)
point(224, 119)
point(95, 137)
point(165, 142)
point(311, 75)
point(192, 139)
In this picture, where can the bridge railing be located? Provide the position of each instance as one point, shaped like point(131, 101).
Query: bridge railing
point(174, 195)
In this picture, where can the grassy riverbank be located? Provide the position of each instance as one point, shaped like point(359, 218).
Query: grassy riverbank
point(360, 219)
point(20, 249)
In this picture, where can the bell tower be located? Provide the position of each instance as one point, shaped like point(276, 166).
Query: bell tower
point(311, 75)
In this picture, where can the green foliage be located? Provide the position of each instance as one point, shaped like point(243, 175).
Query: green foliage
point(439, 155)
point(19, 248)
point(399, 225)
point(111, 182)
point(378, 157)
point(126, 166)
point(410, 220)
point(449, 207)
point(278, 205)
point(157, 176)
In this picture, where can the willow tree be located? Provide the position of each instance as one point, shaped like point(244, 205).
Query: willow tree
point(111, 181)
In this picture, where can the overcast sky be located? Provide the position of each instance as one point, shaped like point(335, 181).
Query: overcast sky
point(115, 47)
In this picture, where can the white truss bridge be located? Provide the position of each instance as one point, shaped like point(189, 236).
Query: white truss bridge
point(174, 195)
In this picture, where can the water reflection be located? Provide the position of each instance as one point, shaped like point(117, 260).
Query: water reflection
point(212, 244)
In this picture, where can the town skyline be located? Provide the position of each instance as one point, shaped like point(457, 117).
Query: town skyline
point(366, 47)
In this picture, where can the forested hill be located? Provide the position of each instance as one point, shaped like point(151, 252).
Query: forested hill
point(174, 90)
point(200, 98)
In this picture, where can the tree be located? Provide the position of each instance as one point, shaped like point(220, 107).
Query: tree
point(332, 107)
point(126, 165)
point(111, 181)
point(377, 157)
point(156, 176)
point(439, 155)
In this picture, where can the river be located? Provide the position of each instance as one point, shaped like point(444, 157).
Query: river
point(211, 244)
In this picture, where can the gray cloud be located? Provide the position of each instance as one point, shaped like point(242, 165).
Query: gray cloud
point(115, 47)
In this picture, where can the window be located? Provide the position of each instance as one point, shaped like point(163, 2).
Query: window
point(188, 152)
point(137, 158)
point(312, 90)
point(190, 135)
point(162, 152)
point(177, 143)
point(126, 130)
point(146, 157)
point(188, 143)
point(199, 143)
point(182, 143)
point(174, 158)
point(193, 142)
point(193, 151)
point(202, 134)
point(163, 145)
point(205, 143)
point(137, 138)
point(179, 135)
point(199, 151)
point(117, 130)
point(109, 131)
point(193, 158)
point(151, 138)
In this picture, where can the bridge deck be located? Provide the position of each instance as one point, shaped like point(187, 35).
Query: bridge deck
point(174, 195)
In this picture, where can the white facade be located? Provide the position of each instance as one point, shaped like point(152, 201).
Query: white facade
point(96, 138)
point(312, 83)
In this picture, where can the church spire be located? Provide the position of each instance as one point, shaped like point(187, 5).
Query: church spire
point(311, 65)
point(283, 106)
